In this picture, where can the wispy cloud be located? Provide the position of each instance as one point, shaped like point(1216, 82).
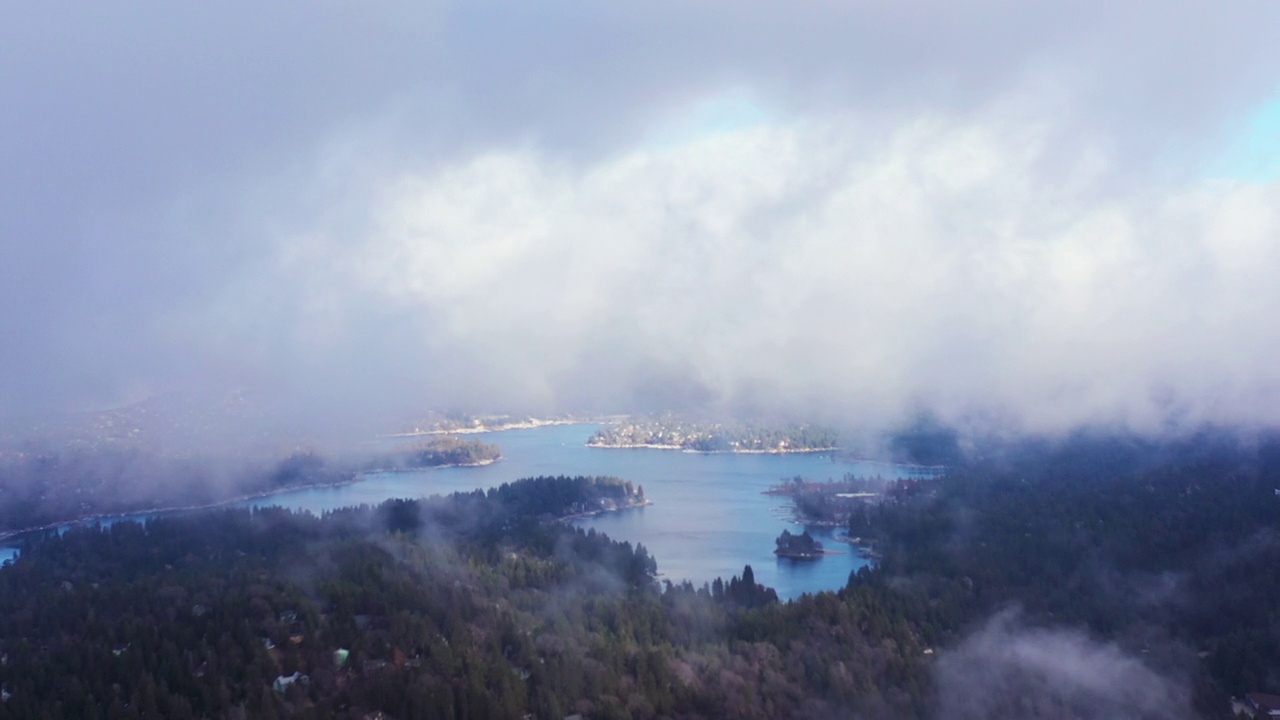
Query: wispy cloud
point(1006, 670)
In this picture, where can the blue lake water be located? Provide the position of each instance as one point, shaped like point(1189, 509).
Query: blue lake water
point(709, 516)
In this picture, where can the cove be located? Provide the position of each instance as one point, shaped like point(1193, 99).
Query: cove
point(709, 516)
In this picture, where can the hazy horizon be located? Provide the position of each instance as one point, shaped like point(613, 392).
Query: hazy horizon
point(1009, 218)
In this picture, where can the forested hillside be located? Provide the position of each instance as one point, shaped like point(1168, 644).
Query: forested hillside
point(1171, 550)
point(1086, 578)
point(471, 606)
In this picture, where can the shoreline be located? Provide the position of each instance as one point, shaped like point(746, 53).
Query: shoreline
point(7, 535)
point(691, 451)
point(634, 446)
point(528, 425)
point(478, 463)
point(594, 513)
point(806, 556)
point(10, 534)
point(788, 451)
point(913, 466)
point(864, 548)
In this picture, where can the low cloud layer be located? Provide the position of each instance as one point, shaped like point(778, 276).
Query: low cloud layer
point(1019, 218)
point(820, 266)
point(1006, 670)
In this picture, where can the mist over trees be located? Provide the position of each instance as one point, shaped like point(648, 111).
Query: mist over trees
point(240, 239)
point(467, 606)
point(1074, 571)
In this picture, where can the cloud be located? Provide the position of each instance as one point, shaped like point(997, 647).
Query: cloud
point(830, 267)
point(836, 209)
point(1006, 670)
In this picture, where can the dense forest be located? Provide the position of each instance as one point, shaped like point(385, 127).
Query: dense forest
point(672, 432)
point(1086, 577)
point(1170, 550)
point(476, 605)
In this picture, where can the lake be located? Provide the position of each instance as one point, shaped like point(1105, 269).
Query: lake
point(708, 519)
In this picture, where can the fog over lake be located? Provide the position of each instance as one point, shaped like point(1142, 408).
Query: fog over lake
point(709, 515)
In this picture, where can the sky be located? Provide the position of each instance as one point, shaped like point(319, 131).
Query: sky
point(1014, 215)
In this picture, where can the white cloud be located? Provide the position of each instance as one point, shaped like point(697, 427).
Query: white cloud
point(984, 208)
point(822, 265)
point(1006, 670)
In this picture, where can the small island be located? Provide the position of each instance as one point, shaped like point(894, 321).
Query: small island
point(566, 499)
point(447, 451)
point(799, 547)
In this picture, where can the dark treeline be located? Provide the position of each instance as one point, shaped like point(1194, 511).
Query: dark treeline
point(48, 486)
point(45, 487)
point(484, 605)
point(436, 452)
point(467, 606)
point(798, 546)
point(1171, 550)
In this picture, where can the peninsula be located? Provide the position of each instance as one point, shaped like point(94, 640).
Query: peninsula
point(68, 485)
point(469, 424)
point(440, 451)
point(671, 433)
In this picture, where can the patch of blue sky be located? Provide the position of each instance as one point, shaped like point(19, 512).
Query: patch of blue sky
point(725, 112)
point(1255, 156)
